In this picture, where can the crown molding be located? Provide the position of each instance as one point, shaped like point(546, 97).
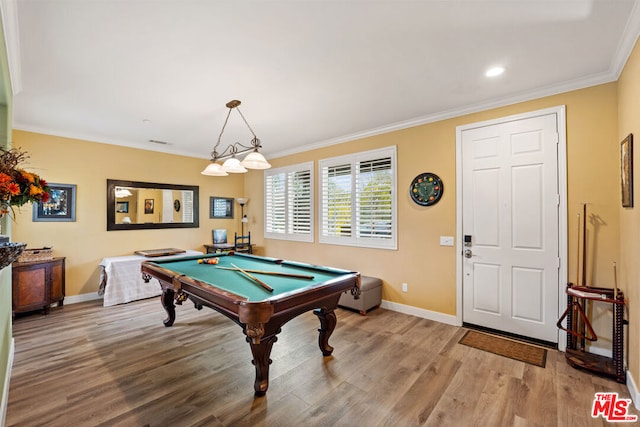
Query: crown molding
point(581, 83)
point(148, 146)
point(627, 41)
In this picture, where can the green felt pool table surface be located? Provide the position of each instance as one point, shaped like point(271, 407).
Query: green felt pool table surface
point(236, 282)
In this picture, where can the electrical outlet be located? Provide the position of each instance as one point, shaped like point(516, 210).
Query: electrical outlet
point(405, 287)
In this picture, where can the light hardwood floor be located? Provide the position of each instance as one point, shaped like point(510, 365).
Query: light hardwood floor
point(87, 365)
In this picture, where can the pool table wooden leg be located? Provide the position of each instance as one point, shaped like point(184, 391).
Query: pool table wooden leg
point(261, 359)
point(167, 299)
point(327, 325)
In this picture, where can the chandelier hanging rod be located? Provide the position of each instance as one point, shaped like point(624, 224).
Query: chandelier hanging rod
point(233, 148)
point(254, 160)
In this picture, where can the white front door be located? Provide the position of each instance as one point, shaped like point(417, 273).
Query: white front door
point(510, 225)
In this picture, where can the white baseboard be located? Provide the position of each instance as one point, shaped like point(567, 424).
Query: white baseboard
point(74, 299)
point(5, 387)
point(633, 390)
point(420, 312)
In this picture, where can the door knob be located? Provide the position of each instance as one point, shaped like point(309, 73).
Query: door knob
point(468, 253)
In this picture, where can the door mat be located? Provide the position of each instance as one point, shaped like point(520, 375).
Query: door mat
point(506, 347)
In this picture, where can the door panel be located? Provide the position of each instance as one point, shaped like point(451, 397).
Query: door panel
point(510, 208)
point(486, 207)
point(527, 202)
point(486, 292)
point(527, 293)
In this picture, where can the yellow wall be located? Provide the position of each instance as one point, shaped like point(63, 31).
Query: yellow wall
point(629, 271)
point(88, 165)
point(420, 261)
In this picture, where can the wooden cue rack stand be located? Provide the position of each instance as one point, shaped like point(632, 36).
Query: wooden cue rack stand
point(575, 353)
point(579, 329)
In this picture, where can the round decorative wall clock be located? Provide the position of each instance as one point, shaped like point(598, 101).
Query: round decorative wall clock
point(426, 189)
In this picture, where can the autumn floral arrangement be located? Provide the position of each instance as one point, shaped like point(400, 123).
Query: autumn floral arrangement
point(17, 186)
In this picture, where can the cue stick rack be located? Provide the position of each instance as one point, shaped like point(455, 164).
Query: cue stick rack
point(579, 329)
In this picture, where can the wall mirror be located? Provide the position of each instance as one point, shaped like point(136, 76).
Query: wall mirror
point(134, 205)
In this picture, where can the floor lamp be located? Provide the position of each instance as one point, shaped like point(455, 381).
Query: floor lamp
point(242, 201)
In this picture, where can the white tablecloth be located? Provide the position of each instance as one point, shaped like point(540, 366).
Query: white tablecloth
point(121, 278)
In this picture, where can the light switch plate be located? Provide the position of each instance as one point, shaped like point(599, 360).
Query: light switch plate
point(446, 240)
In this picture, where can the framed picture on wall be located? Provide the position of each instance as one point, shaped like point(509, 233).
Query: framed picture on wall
point(148, 206)
point(61, 205)
point(221, 207)
point(122, 207)
point(626, 171)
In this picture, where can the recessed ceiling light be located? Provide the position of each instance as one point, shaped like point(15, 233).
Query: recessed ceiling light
point(494, 71)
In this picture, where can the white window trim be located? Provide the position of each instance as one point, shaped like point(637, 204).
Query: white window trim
point(353, 159)
point(307, 166)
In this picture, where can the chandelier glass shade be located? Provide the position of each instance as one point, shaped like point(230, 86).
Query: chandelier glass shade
point(214, 169)
point(254, 160)
point(232, 165)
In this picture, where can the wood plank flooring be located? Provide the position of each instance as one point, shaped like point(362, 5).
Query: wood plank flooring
point(88, 365)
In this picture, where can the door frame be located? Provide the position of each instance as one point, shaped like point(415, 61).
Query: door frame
point(562, 206)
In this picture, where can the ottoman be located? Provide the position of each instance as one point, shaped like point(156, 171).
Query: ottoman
point(370, 295)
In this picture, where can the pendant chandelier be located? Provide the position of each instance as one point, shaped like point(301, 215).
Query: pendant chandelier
point(253, 160)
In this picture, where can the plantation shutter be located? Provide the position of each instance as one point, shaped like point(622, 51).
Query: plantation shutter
point(299, 202)
point(187, 206)
point(275, 203)
point(336, 201)
point(374, 208)
point(358, 199)
point(289, 203)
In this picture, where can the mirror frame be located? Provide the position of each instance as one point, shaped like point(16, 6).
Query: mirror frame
point(111, 205)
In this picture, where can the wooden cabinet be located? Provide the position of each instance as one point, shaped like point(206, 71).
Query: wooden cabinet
point(37, 284)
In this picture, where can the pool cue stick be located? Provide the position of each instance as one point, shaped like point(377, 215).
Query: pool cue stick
point(274, 273)
point(581, 324)
point(578, 254)
point(574, 310)
point(260, 282)
point(584, 245)
point(615, 281)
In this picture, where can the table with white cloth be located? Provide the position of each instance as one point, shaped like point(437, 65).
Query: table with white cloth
point(121, 279)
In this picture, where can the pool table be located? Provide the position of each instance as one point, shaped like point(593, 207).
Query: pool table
point(232, 287)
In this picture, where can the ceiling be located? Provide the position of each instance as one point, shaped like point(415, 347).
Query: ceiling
point(308, 73)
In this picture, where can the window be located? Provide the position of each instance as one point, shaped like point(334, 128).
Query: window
point(289, 203)
point(358, 199)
